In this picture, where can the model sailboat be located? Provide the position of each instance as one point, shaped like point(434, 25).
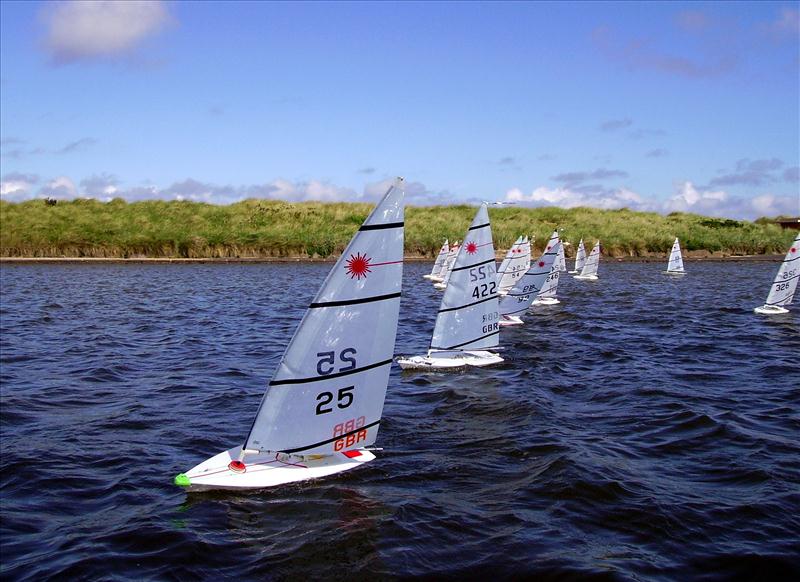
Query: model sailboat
point(580, 258)
point(675, 264)
point(467, 326)
point(561, 260)
point(324, 403)
point(589, 271)
point(519, 299)
point(437, 266)
point(785, 284)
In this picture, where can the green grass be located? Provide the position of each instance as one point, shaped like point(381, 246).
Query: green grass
point(267, 228)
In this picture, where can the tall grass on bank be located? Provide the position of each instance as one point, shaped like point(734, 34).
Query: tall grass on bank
point(269, 228)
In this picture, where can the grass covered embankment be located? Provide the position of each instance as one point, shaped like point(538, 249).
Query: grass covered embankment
point(275, 229)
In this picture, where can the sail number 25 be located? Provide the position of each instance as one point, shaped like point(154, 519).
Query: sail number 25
point(326, 364)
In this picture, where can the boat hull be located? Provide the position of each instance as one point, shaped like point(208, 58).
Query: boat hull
point(450, 361)
point(771, 310)
point(545, 301)
point(674, 272)
point(586, 277)
point(510, 320)
point(265, 470)
point(440, 286)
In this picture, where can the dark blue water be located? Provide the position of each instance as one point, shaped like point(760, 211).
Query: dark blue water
point(646, 428)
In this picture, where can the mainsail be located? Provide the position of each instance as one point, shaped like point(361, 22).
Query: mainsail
point(675, 264)
point(785, 284)
point(444, 275)
point(515, 266)
point(561, 260)
point(580, 257)
point(592, 262)
point(507, 259)
point(328, 390)
point(531, 283)
point(468, 315)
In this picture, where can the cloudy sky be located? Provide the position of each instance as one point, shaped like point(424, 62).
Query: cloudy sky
point(655, 106)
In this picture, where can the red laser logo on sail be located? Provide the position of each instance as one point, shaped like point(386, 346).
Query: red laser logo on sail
point(541, 263)
point(358, 266)
point(472, 248)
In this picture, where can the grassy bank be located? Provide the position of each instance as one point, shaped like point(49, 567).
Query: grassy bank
point(261, 228)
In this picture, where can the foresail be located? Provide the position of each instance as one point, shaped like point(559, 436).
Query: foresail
point(468, 315)
point(580, 257)
point(675, 259)
point(785, 284)
point(328, 391)
point(592, 261)
point(519, 299)
point(440, 258)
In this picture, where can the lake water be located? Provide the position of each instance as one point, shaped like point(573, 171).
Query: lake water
point(646, 428)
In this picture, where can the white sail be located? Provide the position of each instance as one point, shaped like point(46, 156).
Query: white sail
point(440, 259)
point(530, 285)
point(507, 259)
point(675, 264)
point(448, 266)
point(328, 390)
point(468, 315)
point(515, 267)
point(785, 284)
point(580, 257)
point(561, 260)
point(526, 251)
point(592, 263)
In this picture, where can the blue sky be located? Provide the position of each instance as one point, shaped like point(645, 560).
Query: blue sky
point(653, 106)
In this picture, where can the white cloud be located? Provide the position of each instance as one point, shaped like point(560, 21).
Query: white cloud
point(61, 188)
point(15, 187)
point(687, 198)
point(570, 198)
point(101, 29)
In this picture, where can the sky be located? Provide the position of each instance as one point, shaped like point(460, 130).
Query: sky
point(651, 106)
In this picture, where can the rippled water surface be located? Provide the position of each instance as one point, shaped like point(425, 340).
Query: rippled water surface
point(646, 428)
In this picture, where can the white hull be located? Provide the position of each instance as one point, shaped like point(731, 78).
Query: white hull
point(433, 278)
point(267, 469)
point(440, 286)
point(545, 301)
point(508, 320)
point(573, 272)
point(770, 310)
point(450, 361)
point(674, 272)
point(586, 277)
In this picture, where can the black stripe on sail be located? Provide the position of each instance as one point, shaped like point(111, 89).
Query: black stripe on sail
point(468, 304)
point(475, 265)
point(469, 342)
point(325, 442)
point(330, 376)
point(353, 301)
point(480, 226)
point(381, 226)
point(790, 260)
